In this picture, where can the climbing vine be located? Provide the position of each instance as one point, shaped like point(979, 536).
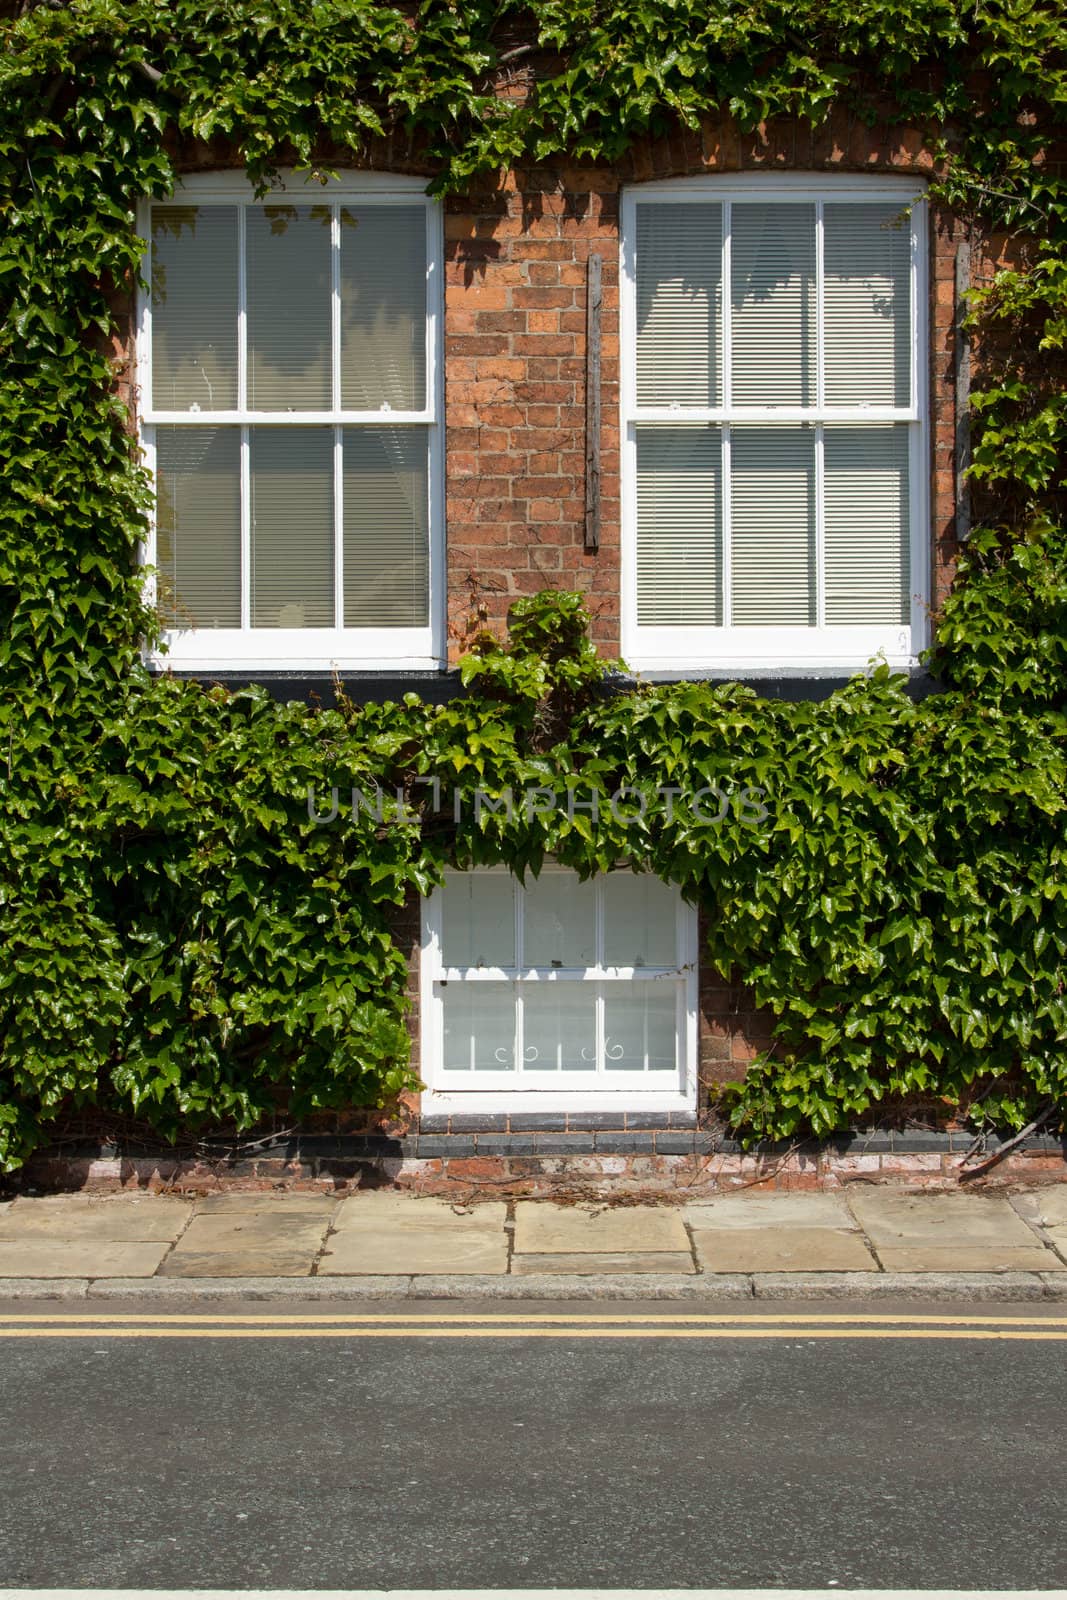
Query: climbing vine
point(181, 938)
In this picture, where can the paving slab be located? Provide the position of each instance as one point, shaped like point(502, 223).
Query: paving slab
point(792, 1249)
point(45, 1258)
point(1058, 1236)
point(374, 1208)
point(542, 1228)
point(968, 1258)
point(277, 1263)
point(432, 1249)
point(1046, 1207)
point(234, 1231)
point(654, 1261)
point(940, 1221)
point(277, 1204)
point(77, 1219)
point(797, 1210)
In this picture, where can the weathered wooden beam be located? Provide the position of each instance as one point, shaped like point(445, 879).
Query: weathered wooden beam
point(593, 300)
point(962, 365)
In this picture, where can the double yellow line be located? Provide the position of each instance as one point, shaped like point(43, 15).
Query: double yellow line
point(524, 1325)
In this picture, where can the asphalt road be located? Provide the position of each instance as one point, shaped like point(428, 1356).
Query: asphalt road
point(363, 1458)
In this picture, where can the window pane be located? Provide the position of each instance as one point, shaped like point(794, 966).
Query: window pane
point(383, 307)
point(288, 271)
point(679, 304)
point(640, 1027)
point(479, 1027)
point(772, 537)
point(558, 1027)
point(194, 307)
point(292, 528)
point(867, 525)
point(772, 291)
point(640, 921)
point(386, 528)
point(560, 922)
point(198, 526)
point(478, 920)
point(867, 299)
point(679, 526)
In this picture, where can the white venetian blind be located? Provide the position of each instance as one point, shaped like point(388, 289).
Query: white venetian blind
point(289, 327)
point(679, 526)
point(772, 537)
point(383, 307)
point(478, 920)
point(867, 305)
point(867, 524)
point(679, 304)
point(194, 307)
point(292, 568)
point(198, 527)
point(773, 304)
point(386, 527)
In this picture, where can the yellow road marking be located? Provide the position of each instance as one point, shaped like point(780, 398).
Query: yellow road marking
point(667, 1319)
point(524, 1331)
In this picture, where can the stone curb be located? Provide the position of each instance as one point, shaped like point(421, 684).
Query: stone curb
point(932, 1286)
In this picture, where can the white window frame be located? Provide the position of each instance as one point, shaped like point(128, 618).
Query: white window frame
point(450, 1092)
point(677, 650)
point(248, 649)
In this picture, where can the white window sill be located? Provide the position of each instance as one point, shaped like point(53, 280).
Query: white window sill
point(474, 1102)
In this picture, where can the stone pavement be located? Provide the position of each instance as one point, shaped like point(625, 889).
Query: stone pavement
point(866, 1240)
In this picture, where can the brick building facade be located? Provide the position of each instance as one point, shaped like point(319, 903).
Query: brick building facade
point(514, 432)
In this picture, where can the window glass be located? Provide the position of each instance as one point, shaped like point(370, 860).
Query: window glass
point(198, 527)
point(640, 921)
point(194, 308)
point(478, 920)
point(867, 298)
point(479, 1027)
point(640, 1027)
point(772, 303)
point(386, 527)
point(679, 304)
point(559, 1027)
point(773, 526)
point(383, 307)
point(679, 526)
point(292, 489)
point(559, 920)
point(288, 266)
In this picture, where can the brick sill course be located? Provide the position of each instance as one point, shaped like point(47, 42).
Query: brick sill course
point(585, 1158)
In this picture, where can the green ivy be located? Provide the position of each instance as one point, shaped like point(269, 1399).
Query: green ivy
point(181, 938)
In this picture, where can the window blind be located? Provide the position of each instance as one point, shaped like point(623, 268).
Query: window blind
point(867, 524)
point(386, 527)
point(772, 537)
point(383, 307)
point(289, 319)
point(194, 307)
point(679, 526)
point(867, 306)
point(198, 527)
point(292, 538)
point(679, 304)
point(772, 304)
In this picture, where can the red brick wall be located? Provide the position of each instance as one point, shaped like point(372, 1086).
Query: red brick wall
point(515, 274)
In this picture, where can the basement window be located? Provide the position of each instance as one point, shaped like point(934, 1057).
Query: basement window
point(576, 993)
